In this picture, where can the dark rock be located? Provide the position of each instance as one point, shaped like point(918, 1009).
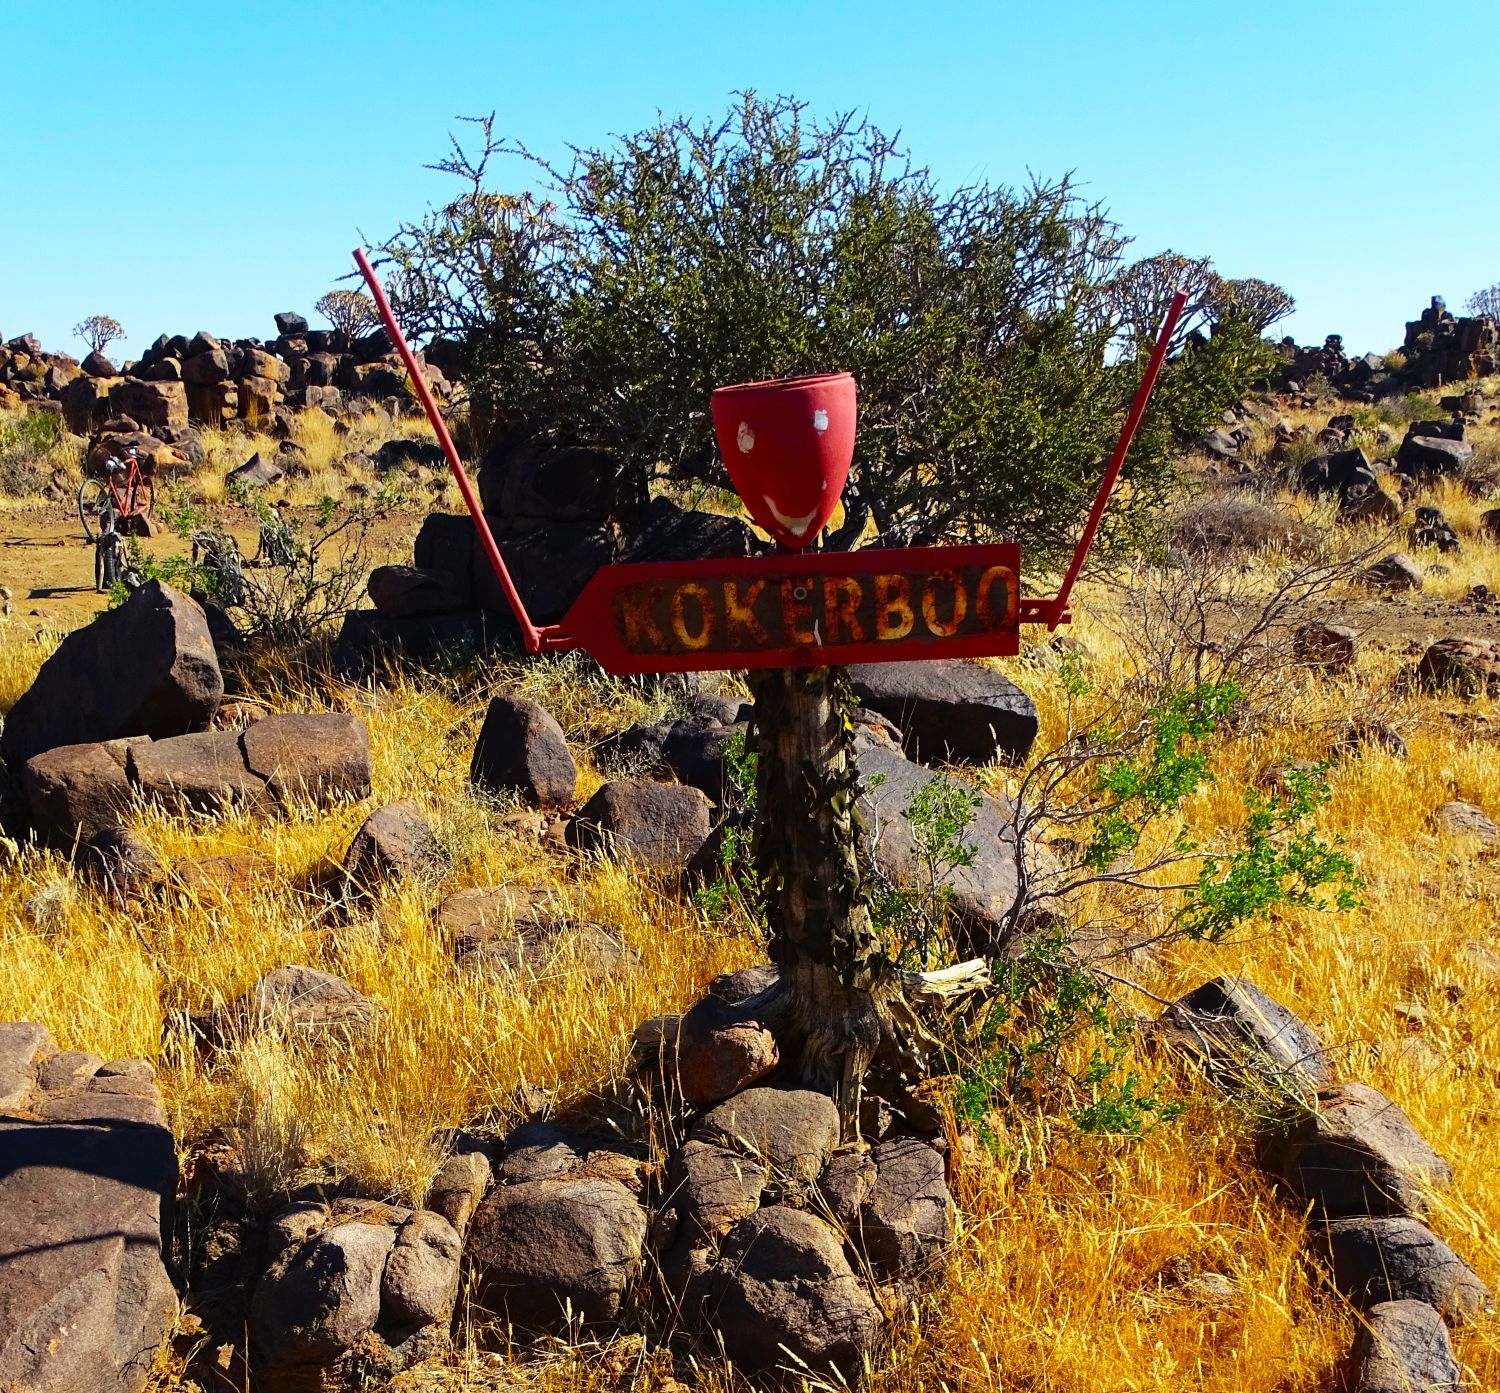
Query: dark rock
point(76, 790)
point(120, 862)
point(783, 1294)
point(88, 1173)
point(152, 404)
point(521, 749)
point(202, 773)
point(295, 1003)
point(146, 668)
point(903, 1226)
point(256, 472)
point(420, 1281)
point(1394, 572)
point(1426, 456)
point(310, 757)
point(1242, 1035)
point(1470, 666)
point(1403, 1347)
point(1359, 1154)
point(666, 532)
point(202, 369)
point(719, 1055)
point(1465, 820)
point(408, 454)
point(659, 825)
point(543, 1246)
point(369, 643)
point(444, 547)
point(1398, 1259)
point(394, 842)
point(524, 478)
point(290, 325)
point(983, 895)
point(950, 710)
point(1369, 503)
point(793, 1130)
point(550, 563)
point(1331, 647)
point(403, 591)
point(459, 1185)
point(227, 878)
point(709, 1190)
point(747, 982)
point(1362, 733)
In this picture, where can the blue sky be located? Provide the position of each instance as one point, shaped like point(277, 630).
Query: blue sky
point(184, 166)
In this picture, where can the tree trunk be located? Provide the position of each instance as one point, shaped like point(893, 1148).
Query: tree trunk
point(840, 1000)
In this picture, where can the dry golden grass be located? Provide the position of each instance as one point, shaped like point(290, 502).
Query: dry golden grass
point(1058, 1277)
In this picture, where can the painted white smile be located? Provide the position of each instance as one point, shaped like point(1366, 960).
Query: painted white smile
point(796, 526)
point(746, 438)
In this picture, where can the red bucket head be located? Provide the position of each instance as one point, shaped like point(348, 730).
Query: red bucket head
point(788, 446)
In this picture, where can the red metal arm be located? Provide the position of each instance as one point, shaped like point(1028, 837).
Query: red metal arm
point(1057, 607)
point(552, 638)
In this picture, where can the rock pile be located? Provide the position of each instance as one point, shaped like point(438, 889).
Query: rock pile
point(1441, 348)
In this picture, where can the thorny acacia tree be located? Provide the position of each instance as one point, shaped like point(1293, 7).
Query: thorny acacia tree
point(984, 325)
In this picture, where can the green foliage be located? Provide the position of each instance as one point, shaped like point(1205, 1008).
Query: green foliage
point(735, 892)
point(29, 442)
point(982, 323)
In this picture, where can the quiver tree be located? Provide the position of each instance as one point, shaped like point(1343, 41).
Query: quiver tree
point(350, 310)
point(98, 331)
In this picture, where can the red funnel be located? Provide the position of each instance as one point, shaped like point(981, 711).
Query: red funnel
point(788, 446)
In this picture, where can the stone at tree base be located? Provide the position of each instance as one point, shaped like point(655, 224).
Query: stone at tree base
point(982, 895)
point(75, 790)
point(1241, 1034)
point(747, 982)
point(120, 862)
point(1465, 820)
point(1469, 666)
point(709, 1189)
point(1396, 1258)
point(542, 1246)
point(88, 1173)
point(1403, 1347)
point(718, 1055)
point(352, 1291)
point(657, 825)
point(521, 749)
point(395, 842)
point(1359, 1154)
point(310, 756)
point(1394, 572)
point(783, 1284)
point(903, 1226)
point(146, 668)
point(950, 710)
point(794, 1130)
point(202, 773)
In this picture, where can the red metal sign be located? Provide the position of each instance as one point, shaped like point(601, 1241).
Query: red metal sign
point(802, 610)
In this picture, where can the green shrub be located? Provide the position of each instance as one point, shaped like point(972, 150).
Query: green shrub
point(31, 449)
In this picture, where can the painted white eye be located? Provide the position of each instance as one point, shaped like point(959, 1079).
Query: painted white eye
point(820, 421)
point(746, 438)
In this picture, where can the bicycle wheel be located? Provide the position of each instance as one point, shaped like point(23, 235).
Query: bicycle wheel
point(93, 503)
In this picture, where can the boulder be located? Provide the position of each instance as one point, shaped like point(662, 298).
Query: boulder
point(295, 1003)
point(310, 757)
point(695, 748)
point(526, 479)
point(445, 546)
point(88, 1172)
point(256, 472)
point(500, 931)
point(1359, 1154)
point(747, 982)
point(1395, 1258)
point(903, 1226)
point(1244, 1037)
point(290, 324)
point(543, 1247)
point(409, 454)
point(1369, 503)
point(152, 404)
point(201, 773)
point(227, 878)
point(982, 895)
point(950, 710)
point(719, 1055)
point(667, 532)
point(521, 750)
point(200, 369)
point(146, 668)
point(370, 643)
point(85, 404)
point(1470, 666)
point(1394, 572)
point(549, 562)
point(793, 1130)
point(1403, 1347)
point(97, 365)
point(1329, 647)
point(783, 1295)
point(120, 862)
point(657, 825)
point(403, 591)
point(1424, 456)
point(393, 843)
point(459, 1185)
point(1465, 820)
point(76, 790)
point(1360, 734)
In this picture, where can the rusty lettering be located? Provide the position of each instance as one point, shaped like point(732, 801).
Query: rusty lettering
point(944, 628)
point(636, 621)
point(1001, 575)
point(841, 597)
point(893, 612)
point(706, 615)
point(739, 615)
point(797, 609)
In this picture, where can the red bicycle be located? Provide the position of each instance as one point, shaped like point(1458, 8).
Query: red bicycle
point(124, 493)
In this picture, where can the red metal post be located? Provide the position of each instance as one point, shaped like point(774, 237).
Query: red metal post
point(536, 638)
point(1059, 603)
